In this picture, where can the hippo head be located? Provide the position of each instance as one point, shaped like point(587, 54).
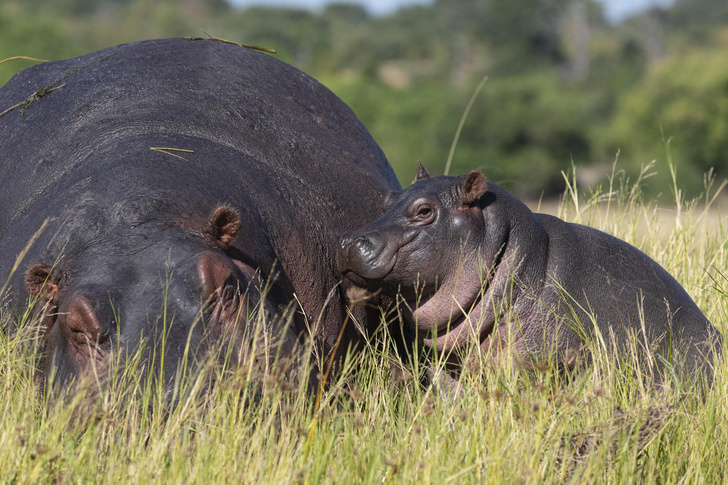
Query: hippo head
point(428, 248)
point(174, 293)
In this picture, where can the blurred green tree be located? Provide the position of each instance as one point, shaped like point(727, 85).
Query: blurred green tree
point(683, 99)
point(565, 84)
point(37, 35)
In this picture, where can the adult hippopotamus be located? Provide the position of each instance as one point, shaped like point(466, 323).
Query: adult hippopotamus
point(473, 265)
point(165, 189)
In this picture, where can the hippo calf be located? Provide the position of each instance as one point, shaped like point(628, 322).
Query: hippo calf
point(472, 265)
point(166, 190)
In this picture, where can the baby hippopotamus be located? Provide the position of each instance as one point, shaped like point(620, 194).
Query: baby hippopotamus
point(471, 264)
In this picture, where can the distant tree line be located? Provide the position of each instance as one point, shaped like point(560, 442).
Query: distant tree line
point(564, 85)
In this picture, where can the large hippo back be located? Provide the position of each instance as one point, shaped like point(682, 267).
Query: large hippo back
point(129, 150)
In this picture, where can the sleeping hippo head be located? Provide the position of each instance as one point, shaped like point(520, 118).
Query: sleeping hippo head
point(435, 246)
point(175, 293)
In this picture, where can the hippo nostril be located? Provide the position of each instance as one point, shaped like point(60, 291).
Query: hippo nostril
point(362, 244)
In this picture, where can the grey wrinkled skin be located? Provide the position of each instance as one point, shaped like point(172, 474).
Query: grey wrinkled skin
point(474, 266)
point(178, 178)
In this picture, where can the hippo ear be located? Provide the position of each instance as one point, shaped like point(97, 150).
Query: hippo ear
point(471, 188)
point(421, 172)
point(42, 281)
point(224, 226)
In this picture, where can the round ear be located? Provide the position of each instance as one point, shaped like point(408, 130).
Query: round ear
point(472, 187)
point(224, 226)
point(421, 172)
point(42, 281)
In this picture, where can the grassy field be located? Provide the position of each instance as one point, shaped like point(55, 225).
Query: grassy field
point(375, 422)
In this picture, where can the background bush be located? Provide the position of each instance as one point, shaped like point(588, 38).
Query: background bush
point(565, 84)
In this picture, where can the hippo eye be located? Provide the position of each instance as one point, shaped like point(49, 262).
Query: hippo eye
point(422, 213)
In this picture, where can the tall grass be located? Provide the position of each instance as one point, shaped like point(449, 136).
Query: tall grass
point(377, 423)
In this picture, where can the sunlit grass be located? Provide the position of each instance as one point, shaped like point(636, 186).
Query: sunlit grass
point(376, 422)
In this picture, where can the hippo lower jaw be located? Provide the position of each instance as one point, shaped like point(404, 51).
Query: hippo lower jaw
point(464, 310)
point(454, 314)
point(473, 326)
point(449, 302)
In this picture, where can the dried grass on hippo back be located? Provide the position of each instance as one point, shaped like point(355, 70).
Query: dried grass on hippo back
point(554, 286)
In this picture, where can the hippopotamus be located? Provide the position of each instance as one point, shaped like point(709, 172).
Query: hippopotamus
point(472, 267)
point(162, 194)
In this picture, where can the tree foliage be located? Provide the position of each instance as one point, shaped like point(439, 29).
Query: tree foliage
point(565, 85)
point(684, 100)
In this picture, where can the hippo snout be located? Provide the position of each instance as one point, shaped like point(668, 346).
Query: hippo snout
point(365, 256)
